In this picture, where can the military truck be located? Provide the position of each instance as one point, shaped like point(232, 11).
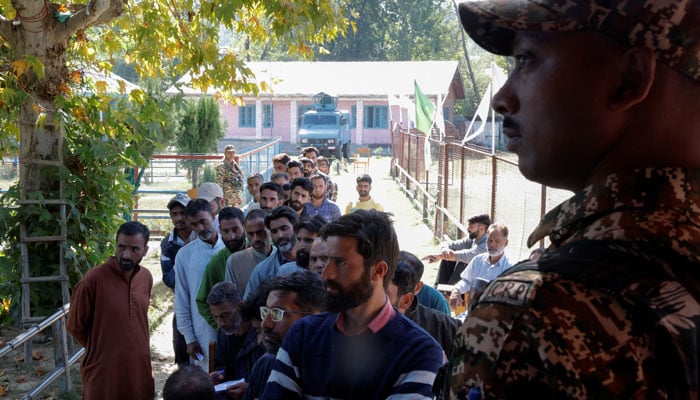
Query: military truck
point(325, 127)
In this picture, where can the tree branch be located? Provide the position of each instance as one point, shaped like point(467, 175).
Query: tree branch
point(97, 12)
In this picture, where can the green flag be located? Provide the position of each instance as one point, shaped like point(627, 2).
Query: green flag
point(424, 110)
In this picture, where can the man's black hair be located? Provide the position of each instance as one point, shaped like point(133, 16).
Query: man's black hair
point(197, 205)
point(375, 235)
point(304, 183)
point(272, 186)
point(282, 212)
point(404, 278)
point(307, 160)
point(188, 383)
point(308, 149)
point(258, 298)
point(281, 157)
point(278, 175)
point(482, 219)
point(256, 213)
point(223, 292)
point(364, 178)
point(294, 163)
point(312, 225)
point(257, 176)
point(309, 287)
point(231, 213)
point(318, 176)
point(133, 228)
point(413, 262)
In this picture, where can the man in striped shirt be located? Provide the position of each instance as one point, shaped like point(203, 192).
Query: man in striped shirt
point(363, 348)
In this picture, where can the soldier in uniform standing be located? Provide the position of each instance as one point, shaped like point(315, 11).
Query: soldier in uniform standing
point(230, 177)
point(603, 101)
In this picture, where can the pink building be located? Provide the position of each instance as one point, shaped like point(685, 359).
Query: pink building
point(376, 94)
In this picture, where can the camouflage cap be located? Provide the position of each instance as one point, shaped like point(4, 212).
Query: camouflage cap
point(669, 27)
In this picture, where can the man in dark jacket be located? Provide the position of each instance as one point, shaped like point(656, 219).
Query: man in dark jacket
point(237, 347)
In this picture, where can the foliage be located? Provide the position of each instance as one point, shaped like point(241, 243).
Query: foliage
point(108, 136)
point(171, 38)
point(199, 131)
point(398, 30)
point(102, 135)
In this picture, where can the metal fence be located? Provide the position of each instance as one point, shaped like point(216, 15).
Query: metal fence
point(168, 174)
point(63, 359)
point(457, 182)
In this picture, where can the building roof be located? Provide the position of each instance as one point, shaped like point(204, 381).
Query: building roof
point(348, 79)
point(111, 79)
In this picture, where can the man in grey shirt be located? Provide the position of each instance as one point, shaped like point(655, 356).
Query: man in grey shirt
point(455, 255)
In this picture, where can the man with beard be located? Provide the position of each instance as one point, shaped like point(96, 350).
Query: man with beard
point(307, 230)
point(486, 266)
point(181, 235)
point(301, 190)
point(281, 223)
point(279, 162)
point(233, 235)
point(403, 293)
point(108, 316)
point(254, 181)
point(237, 347)
point(319, 204)
point(317, 256)
point(270, 195)
point(295, 169)
point(241, 264)
point(213, 193)
point(365, 201)
point(324, 166)
point(602, 100)
point(455, 255)
point(190, 264)
point(289, 298)
point(363, 348)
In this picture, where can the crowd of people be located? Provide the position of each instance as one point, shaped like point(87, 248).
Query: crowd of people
point(284, 297)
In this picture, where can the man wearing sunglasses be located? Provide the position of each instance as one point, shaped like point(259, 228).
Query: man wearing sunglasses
point(290, 298)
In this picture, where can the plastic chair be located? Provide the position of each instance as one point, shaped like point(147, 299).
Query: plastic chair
point(361, 159)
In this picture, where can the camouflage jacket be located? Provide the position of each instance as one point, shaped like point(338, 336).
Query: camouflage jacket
point(610, 311)
point(230, 177)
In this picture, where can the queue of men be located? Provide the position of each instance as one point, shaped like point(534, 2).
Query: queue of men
point(272, 253)
point(602, 101)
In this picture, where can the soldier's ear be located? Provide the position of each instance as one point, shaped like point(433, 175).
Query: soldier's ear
point(636, 69)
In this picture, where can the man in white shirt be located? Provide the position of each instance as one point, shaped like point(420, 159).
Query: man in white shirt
point(486, 266)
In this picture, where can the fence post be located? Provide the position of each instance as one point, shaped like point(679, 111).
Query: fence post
point(445, 184)
point(463, 180)
point(494, 181)
point(61, 357)
point(425, 198)
point(408, 163)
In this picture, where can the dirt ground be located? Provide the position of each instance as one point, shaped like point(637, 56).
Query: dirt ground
point(17, 378)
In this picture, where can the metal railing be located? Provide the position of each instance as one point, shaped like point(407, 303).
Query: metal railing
point(168, 174)
point(61, 371)
point(458, 181)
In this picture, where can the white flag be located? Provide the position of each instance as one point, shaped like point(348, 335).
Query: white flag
point(482, 112)
point(498, 79)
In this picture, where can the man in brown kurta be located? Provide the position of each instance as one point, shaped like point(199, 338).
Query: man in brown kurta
point(108, 316)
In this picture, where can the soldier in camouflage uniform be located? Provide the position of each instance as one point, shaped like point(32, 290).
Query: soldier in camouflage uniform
point(604, 100)
point(230, 177)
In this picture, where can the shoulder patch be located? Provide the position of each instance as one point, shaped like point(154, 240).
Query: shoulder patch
point(510, 290)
